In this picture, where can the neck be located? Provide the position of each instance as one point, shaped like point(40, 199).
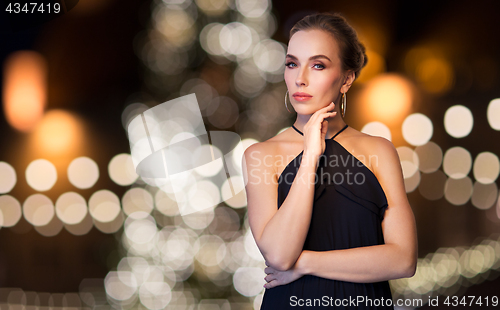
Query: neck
point(334, 125)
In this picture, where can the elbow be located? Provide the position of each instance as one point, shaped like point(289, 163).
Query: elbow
point(279, 263)
point(409, 268)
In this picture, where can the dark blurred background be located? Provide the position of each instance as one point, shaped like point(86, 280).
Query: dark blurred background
point(71, 85)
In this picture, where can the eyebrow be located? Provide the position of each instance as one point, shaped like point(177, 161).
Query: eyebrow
point(310, 58)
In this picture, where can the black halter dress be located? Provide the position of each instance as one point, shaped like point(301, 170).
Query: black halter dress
point(349, 206)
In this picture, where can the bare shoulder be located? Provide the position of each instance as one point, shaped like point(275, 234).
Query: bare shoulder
point(373, 144)
point(267, 154)
point(375, 152)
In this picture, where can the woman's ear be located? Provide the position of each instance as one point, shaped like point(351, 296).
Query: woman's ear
point(348, 80)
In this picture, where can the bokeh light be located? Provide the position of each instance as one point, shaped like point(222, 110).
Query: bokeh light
point(121, 170)
point(458, 191)
point(254, 8)
point(493, 114)
point(81, 228)
point(235, 38)
point(165, 204)
point(233, 192)
point(24, 89)
point(430, 157)
point(484, 195)
point(58, 132)
point(431, 68)
point(486, 167)
point(137, 199)
point(112, 226)
point(417, 129)
point(71, 208)
point(175, 24)
point(435, 74)
point(38, 210)
point(104, 206)
point(51, 229)
point(212, 7)
point(409, 161)
point(457, 162)
point(10, 209)
point(41, 175)
point(249, 281)
point(223, 112)
point(8, 177)
point(83, 172)
point(388, 98)
point(458, 121)
point(412, 182)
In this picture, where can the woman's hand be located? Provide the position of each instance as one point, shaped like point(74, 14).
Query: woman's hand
point(277, 277)
point(315, 131)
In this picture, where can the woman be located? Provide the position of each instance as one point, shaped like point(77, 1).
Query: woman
point(343, 226)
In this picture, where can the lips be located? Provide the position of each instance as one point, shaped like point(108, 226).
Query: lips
point(299, 96)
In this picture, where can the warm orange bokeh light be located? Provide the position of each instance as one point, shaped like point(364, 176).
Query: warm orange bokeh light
point(58, 132)
point(388, 98)
point(24, 89)
point(435, 74)
point(430, 68)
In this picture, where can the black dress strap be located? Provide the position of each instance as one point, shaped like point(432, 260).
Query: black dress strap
point(325, 139)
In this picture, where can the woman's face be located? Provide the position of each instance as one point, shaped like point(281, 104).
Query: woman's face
point(313, 67)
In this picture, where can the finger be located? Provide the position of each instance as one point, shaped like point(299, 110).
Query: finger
point(268, 270)
point(267, 264)
point(324, 109)
point(271, 284)
point(269, 278)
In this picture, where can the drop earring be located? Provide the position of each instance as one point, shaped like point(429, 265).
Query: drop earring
point(344, 104)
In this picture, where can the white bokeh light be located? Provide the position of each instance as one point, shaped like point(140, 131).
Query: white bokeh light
point(253, 8)
point(417, 129)
point(458, 121)
point(235, 38)
point(41, 175)
point(71, 208)
point(493, 114)
point(249, 281)
point(8, 177)
point(104, 206)
point(83, 172)
point(457, 162)
point(38, 210)
point(137, 199)
point(486, 167)
point(409, 161)
point(11, 210)
point(121, 170)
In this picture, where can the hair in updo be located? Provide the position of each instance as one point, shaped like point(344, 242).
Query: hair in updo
point(352, 52)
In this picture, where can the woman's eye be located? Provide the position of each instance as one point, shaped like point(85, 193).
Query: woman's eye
point(289, 64)
point(321, 66)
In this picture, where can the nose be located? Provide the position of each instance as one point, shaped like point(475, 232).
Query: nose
point(301, 79)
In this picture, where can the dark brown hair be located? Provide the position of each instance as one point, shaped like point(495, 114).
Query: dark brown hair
point(352, 52)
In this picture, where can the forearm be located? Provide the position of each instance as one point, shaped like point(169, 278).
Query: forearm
point(363, 264)
point(283, 237)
